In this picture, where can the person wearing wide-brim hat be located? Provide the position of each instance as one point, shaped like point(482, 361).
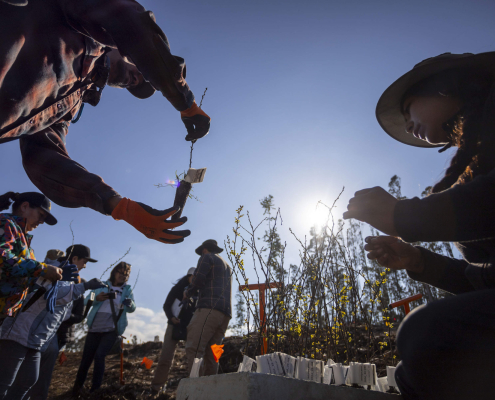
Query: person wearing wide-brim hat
point(212, 281)
point(448, 346)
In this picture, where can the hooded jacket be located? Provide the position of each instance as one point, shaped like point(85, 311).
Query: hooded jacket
point(126, 294)
point(19, 269)
point(35, 327)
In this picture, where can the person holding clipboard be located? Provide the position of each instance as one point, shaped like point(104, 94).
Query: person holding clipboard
point(179, 314)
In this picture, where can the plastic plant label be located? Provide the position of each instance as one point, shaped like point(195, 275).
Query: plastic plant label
point(289, 364)
point(391, 376)
point(246, 365)
point(339, 374)
point(327, 375)
point(195, 368)
point(195, 175)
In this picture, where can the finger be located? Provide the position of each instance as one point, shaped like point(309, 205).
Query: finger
point(189, 124)
point(172, 235)
point(174, 224)
point(366, 191)
point(170, 211)
point(352, 214)
point(384, 240)
point(170, 241)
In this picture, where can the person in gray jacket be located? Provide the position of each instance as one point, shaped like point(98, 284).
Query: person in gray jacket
point(78, 255)
point(24, 337)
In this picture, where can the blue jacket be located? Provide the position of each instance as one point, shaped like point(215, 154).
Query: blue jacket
point(126, 294)
point(35, 327)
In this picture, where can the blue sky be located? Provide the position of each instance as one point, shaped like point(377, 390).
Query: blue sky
point(292, 89)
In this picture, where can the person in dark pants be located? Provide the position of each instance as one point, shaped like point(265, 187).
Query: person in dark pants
point(174, 323)
point(78, 255)
point(448, 346)
point(103, 330)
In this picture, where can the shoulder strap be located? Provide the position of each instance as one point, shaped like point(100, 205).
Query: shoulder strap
point(116, 316)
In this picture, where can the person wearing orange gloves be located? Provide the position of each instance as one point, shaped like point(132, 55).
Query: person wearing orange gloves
point(114, 42)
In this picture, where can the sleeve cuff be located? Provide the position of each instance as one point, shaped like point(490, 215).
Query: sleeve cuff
point(434, 268)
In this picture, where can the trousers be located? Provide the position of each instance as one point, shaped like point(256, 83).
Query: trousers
point(166, 358)
point(207, 327)
point(47, 362)
point(96, 347)
point(19, 366)
point(447, 349)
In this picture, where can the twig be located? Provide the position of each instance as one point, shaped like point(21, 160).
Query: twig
point(137, 278)
point(192, 141)
point(127, 252)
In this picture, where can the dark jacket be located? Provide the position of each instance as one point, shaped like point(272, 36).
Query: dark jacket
point(213, 283)
point(187, 309)
point(48, 53)
point(464, 214)
point(66, 332)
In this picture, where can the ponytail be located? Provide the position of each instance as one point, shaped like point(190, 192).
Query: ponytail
point(5, 200)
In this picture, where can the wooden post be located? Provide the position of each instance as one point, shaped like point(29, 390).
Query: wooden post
point(262, 287)
point(405, 302)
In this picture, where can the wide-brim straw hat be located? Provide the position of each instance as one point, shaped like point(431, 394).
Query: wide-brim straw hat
point(388, 109)
point(210, 245)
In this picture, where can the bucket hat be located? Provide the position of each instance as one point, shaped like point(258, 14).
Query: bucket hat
point(210, 245)
point(388, 112)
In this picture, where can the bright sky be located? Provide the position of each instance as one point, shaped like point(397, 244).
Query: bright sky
point(292, 90)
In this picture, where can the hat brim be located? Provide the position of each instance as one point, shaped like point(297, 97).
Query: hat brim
point(142, 91)
point(49, 218)
point(388, 112)
point(91, 259)
point(212, 249)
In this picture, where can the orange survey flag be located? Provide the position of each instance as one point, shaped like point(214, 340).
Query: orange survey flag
point(147, 362)
point(217, 351)
point(63, 358)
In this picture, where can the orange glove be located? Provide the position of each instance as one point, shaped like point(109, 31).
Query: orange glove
point(150, 222)
point(197, 122)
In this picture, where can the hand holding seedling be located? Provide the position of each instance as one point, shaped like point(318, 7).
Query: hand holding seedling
point(391, 252)
point(374, 206)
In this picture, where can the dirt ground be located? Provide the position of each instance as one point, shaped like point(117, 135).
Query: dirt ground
point(137, 378)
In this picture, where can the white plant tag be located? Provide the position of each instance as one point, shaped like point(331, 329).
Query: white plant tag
point(362, 373)
point(195, 175)
point(246, 365)
point(391, 376)
point(338, 374)
point(289, 364)
point(327, 375)
point(196, 367)
point(302, 368)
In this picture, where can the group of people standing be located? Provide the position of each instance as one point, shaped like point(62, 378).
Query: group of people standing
point(205, 296)
point(42, 301)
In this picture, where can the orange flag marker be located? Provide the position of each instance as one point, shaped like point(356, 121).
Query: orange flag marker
point(217, 351)
point(147, 362)
point(63, 358)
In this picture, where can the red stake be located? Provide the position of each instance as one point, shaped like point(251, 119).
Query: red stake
point(262, 287)
point(405, 302)
point(122, 382)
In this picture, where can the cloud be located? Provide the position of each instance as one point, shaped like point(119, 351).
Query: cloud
point(145, 324)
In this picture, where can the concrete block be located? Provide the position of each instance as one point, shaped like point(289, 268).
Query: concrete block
point(253, 386)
